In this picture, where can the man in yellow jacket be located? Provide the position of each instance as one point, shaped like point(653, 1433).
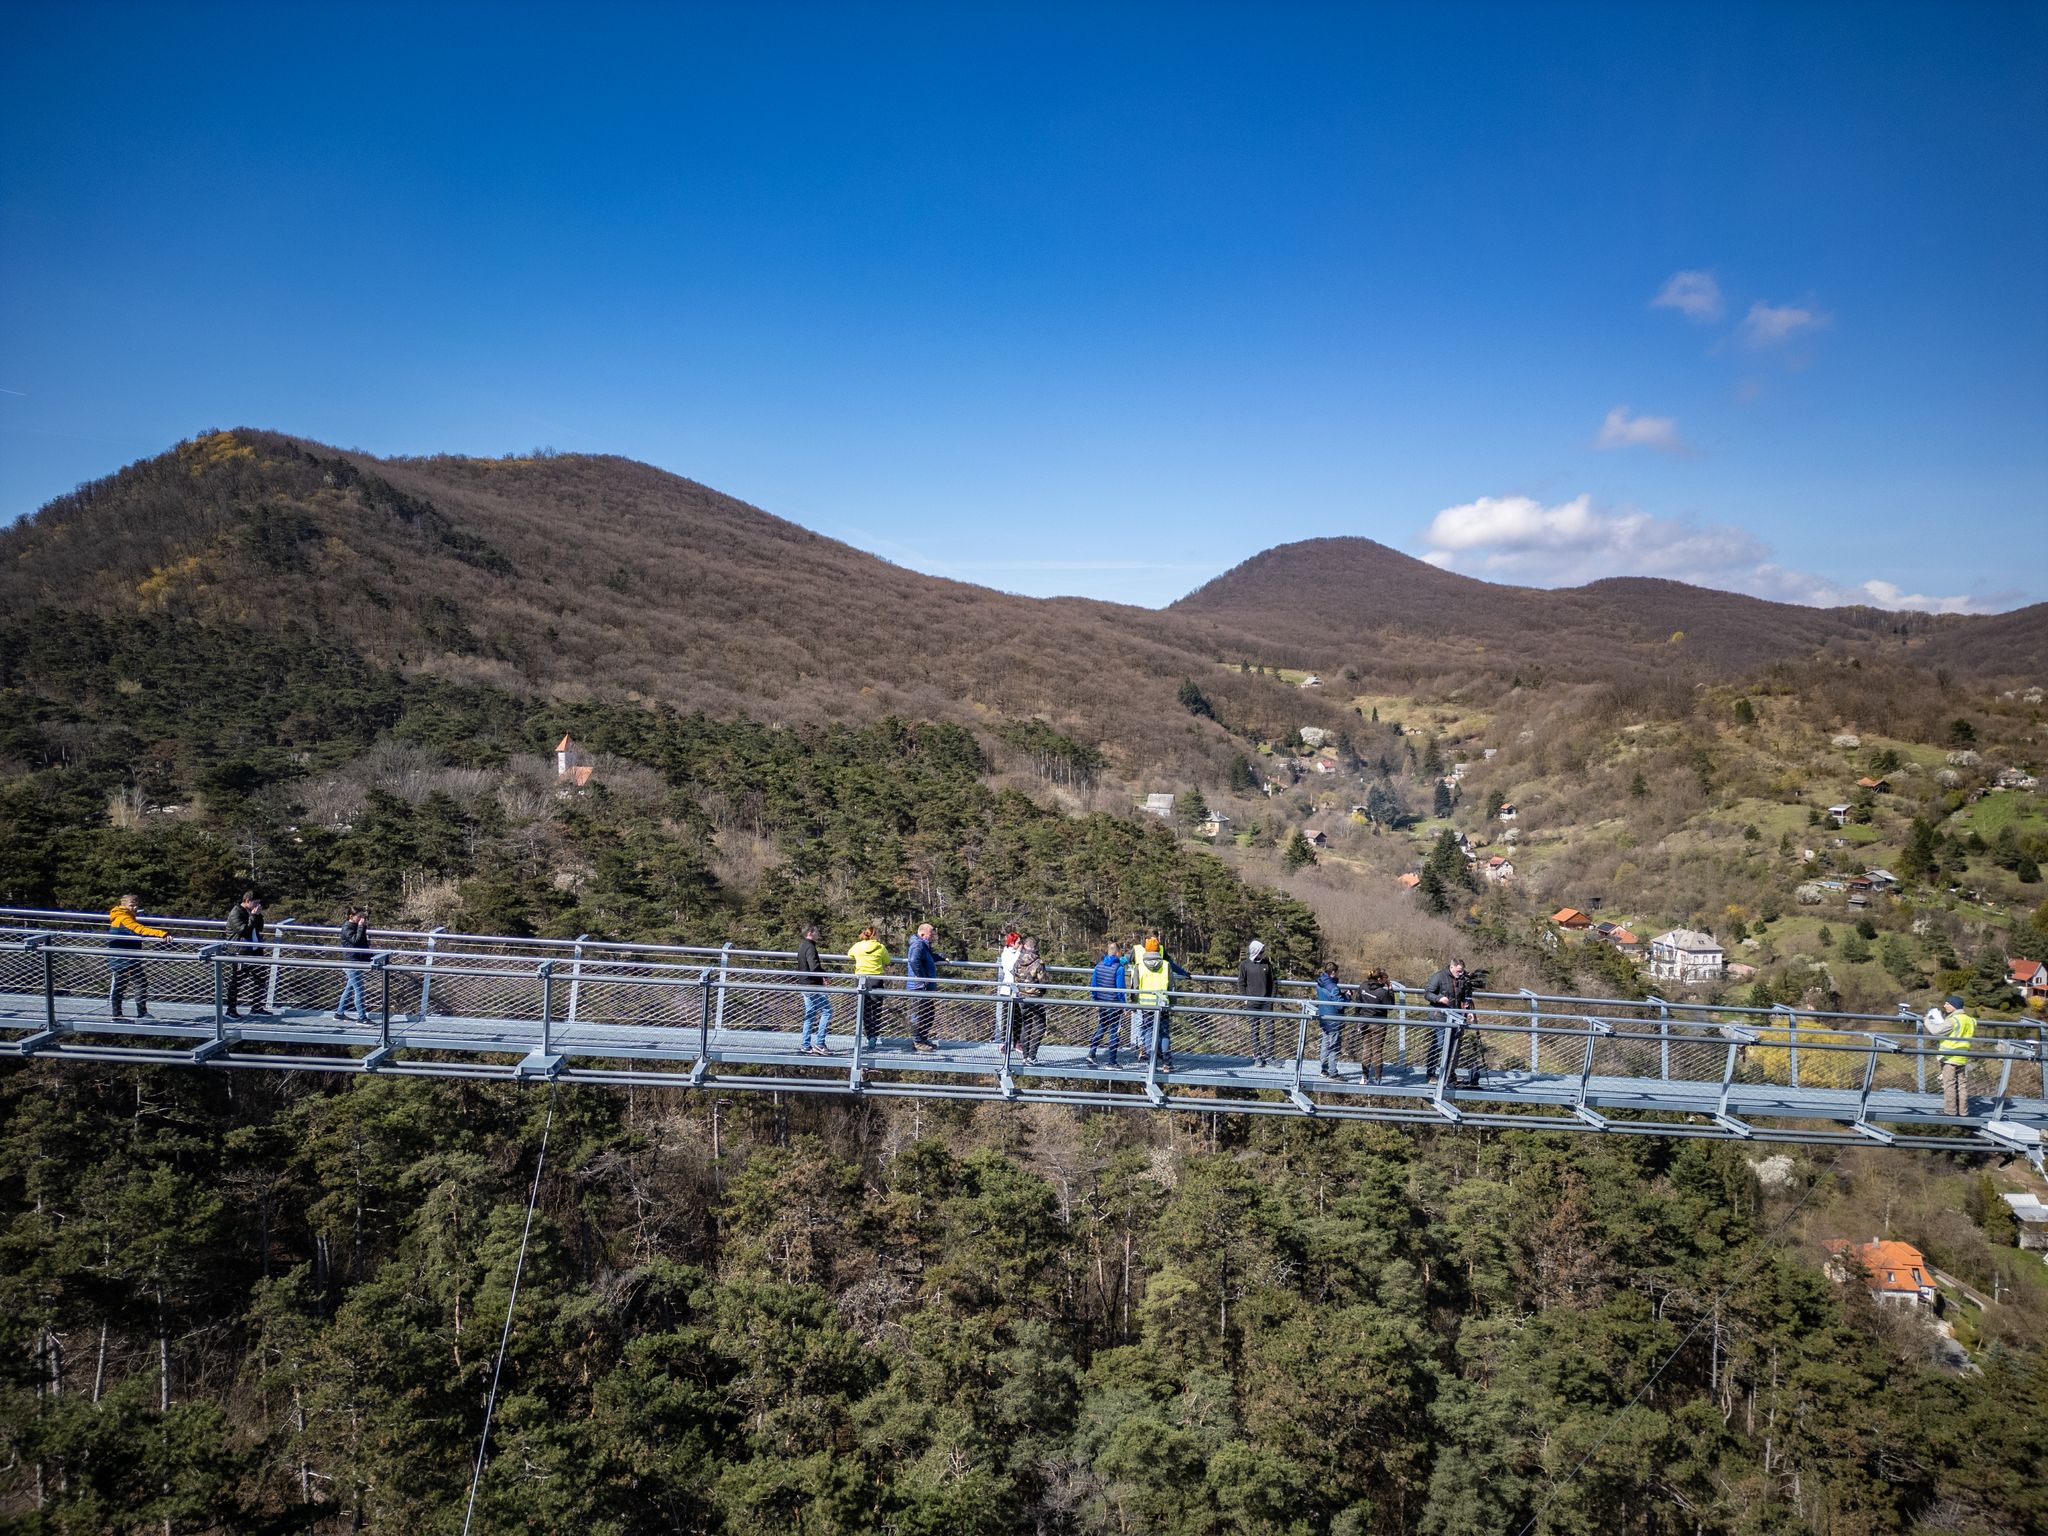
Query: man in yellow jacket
point(123, 969)
point(870, 957)
point(1954, 1030)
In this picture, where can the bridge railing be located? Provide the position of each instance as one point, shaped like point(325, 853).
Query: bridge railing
point(298, 969)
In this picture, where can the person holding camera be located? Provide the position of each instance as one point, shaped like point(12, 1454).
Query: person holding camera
point(1450, 992)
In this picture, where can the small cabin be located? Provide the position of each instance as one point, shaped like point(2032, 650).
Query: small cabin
point(573, 768)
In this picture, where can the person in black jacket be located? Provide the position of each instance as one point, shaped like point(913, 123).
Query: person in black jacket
point(244, 931)
point(817, 1001)
point(1449, 991)
point(355, 950)
point(1255, 978)
point(1375, 997)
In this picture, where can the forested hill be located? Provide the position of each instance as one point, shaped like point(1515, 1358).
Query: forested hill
point(569, 574)
point(564, 573)
point(1360, 597)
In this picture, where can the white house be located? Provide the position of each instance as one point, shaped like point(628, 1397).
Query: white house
point(572, 764)
point(1686, 955)
point(1311, 681)
point(1158, 805)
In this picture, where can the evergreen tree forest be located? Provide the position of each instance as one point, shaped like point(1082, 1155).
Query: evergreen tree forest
point(251, 1303)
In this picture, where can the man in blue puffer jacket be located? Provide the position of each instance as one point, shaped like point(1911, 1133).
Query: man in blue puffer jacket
point(1106, 986)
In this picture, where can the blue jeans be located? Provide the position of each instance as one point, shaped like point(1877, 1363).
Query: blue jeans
point(1105, 1029)
point(1155, 1030)
point(352, 986)
point(1333, 1041)
point(818, 1011)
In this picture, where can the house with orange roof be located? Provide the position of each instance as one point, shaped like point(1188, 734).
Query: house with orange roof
point(1409, 881)
point(1897, 1273)
point(2031, 977)
point(573, 767)
point(1571, 917)
point(1875, 786)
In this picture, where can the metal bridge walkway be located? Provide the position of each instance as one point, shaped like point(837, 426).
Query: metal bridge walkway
point(451, 1005)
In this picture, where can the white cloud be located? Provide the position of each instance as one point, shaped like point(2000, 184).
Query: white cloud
point(1768, 324)
point(1621, 430)
point(1693, 294)
point(1519, 539)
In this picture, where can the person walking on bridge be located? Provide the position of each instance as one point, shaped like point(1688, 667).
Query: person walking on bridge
point(1106, 988)
point(817, 1001)
point(1955, 1031)
point(870, 958)
point(124, 971)
point(355, 953)
point(244, 932)
point(922, 964)
point(1255, 979)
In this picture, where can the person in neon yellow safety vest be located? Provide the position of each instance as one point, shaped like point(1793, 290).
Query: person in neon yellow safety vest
point(1954, 1029)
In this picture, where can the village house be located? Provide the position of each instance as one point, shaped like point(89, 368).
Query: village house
point(1898, 1273)
point(1838, 814)
point(1500, 869)
point(573, 767)
point(1311, 681)
point(1686, 955)
point(1216, 827)
point(1158, 805)
point(1621, 938)
point(1571, 917)
point(1875, 786)
point(1507, 813)
point(2032, 1216)
point(1315, 838)
point(2031, 977)
point(1409, 881)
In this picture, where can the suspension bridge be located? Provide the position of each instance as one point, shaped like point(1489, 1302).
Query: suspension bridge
point(585, 1010)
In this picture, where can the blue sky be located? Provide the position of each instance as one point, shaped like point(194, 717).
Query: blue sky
point(1083, 299)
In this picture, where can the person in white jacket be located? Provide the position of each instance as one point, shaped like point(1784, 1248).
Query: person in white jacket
point(1006, 985)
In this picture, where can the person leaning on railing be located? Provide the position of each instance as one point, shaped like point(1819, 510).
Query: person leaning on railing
point(1106, 987)
point(1948, 1023)
point(124, 971)
point(1450, 992)
point(870, 958)
point(244, 931)
point(1152, 983)
point(1375, 996)
point(1331, 999)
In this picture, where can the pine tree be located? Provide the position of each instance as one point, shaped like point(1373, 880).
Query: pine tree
point(1194, 701)
point(1297, 851)
point(1440, 803)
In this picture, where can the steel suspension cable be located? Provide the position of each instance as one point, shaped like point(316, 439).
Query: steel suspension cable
point(511, 1301)
point(1763, 1252)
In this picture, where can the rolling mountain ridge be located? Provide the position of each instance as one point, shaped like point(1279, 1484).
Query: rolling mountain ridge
point(582, 574)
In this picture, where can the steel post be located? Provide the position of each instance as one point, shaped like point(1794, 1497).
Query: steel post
point(1663, 1037)
point(276, 950)
point(547, 1007)
point(427, 974)
point(576, 977)
point(1535, 1039)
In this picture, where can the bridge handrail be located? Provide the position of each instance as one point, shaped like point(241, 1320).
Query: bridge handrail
point(450, 955)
